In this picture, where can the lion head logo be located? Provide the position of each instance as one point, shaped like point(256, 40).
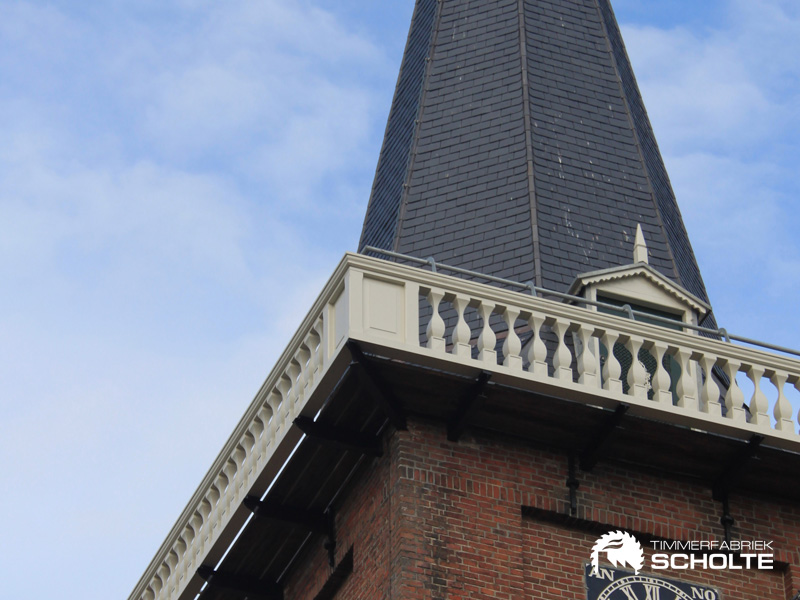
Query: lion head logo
point(621, 549)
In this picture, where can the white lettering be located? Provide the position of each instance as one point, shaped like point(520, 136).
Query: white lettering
point(660, 561)
point(605, 574)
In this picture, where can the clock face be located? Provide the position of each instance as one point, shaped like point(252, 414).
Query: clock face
point(616, 584)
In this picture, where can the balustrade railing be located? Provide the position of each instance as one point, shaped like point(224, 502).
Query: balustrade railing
point(545, 344)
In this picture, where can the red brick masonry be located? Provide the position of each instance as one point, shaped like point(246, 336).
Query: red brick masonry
point(433, 519)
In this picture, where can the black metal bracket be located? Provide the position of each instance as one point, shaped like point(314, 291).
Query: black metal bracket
point(337, 578)
point(377, 388)
point(317, 522)
point(253, 589)
point(469, 403)
point(342, 438)
point(733, 471)
point(721, 488)
point(591, 452)
point(573, 484)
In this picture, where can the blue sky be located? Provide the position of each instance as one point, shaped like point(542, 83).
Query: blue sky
point(179, 177)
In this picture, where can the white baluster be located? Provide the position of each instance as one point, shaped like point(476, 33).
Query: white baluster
point(709, 395)
point(562, 360)
point(205, 508)
point(487, 340)
point(284, 387)
point(638, 384)
point(612, 370)
point(461, 333)
point(295, 391)
point(435, 329)
point(163, 575)
point(512, 345)
point(537, 352)
point(797, 387)
point(758, 403)
point(783, 409)
point(188, 533)
point(315, 341)
point(686, 388)
point(159, 579)
point(587, 359)
point(734, 398)
point(303, 359)
point(172, 561)
point(660, 380)
point(275, 429)
point(262, 441)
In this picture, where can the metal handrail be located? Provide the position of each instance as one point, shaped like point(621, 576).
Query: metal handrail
point(534, 290)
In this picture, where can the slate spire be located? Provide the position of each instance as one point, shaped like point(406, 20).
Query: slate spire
point(518, 145)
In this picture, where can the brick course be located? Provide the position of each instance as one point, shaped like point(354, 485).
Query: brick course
point(434, 519)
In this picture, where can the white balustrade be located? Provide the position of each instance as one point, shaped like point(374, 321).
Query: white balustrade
point(378, 302)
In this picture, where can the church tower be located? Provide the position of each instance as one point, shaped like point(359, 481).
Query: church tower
point(516, 389)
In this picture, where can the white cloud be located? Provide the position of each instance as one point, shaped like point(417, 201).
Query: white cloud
point(167, 191)
point(723, 103)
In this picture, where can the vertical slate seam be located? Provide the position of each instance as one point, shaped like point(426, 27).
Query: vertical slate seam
point(380, 221)
point(526, 111)
point(401, 215)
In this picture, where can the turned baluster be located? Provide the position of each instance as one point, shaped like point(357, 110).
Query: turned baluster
point(783, 409)
point(709, 395)
point(758, 403)
point(612, 370)
point(660, 380)
point(461, 333)
point(512, 345)
point(686, 389)
point(284, 385)
point(275, 429)
point(537, 351)
point(303, 358)
point(562, 359)
point(315, 341)
point(734, 398)
point(435, 329)
point(638, 384)
point(797, 387)
point(587, 358)
point(487, 340)
point(294, 371)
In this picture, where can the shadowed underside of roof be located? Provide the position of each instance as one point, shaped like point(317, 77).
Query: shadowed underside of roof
point(518, 145)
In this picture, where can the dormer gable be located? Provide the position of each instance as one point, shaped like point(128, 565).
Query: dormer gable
point(641, 286)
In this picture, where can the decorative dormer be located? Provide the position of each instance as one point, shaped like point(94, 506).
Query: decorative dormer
point(641, 287)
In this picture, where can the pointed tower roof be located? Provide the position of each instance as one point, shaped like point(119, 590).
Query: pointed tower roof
point(518, 145)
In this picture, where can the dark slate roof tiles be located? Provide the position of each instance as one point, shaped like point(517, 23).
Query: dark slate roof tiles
point(453, 181)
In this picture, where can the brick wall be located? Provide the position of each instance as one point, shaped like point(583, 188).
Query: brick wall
point(434, 519)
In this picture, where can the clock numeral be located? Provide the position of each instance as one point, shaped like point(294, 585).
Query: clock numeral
point(651, 592)
point(629, 593)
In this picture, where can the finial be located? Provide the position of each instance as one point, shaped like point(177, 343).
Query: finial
point(639, 247)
